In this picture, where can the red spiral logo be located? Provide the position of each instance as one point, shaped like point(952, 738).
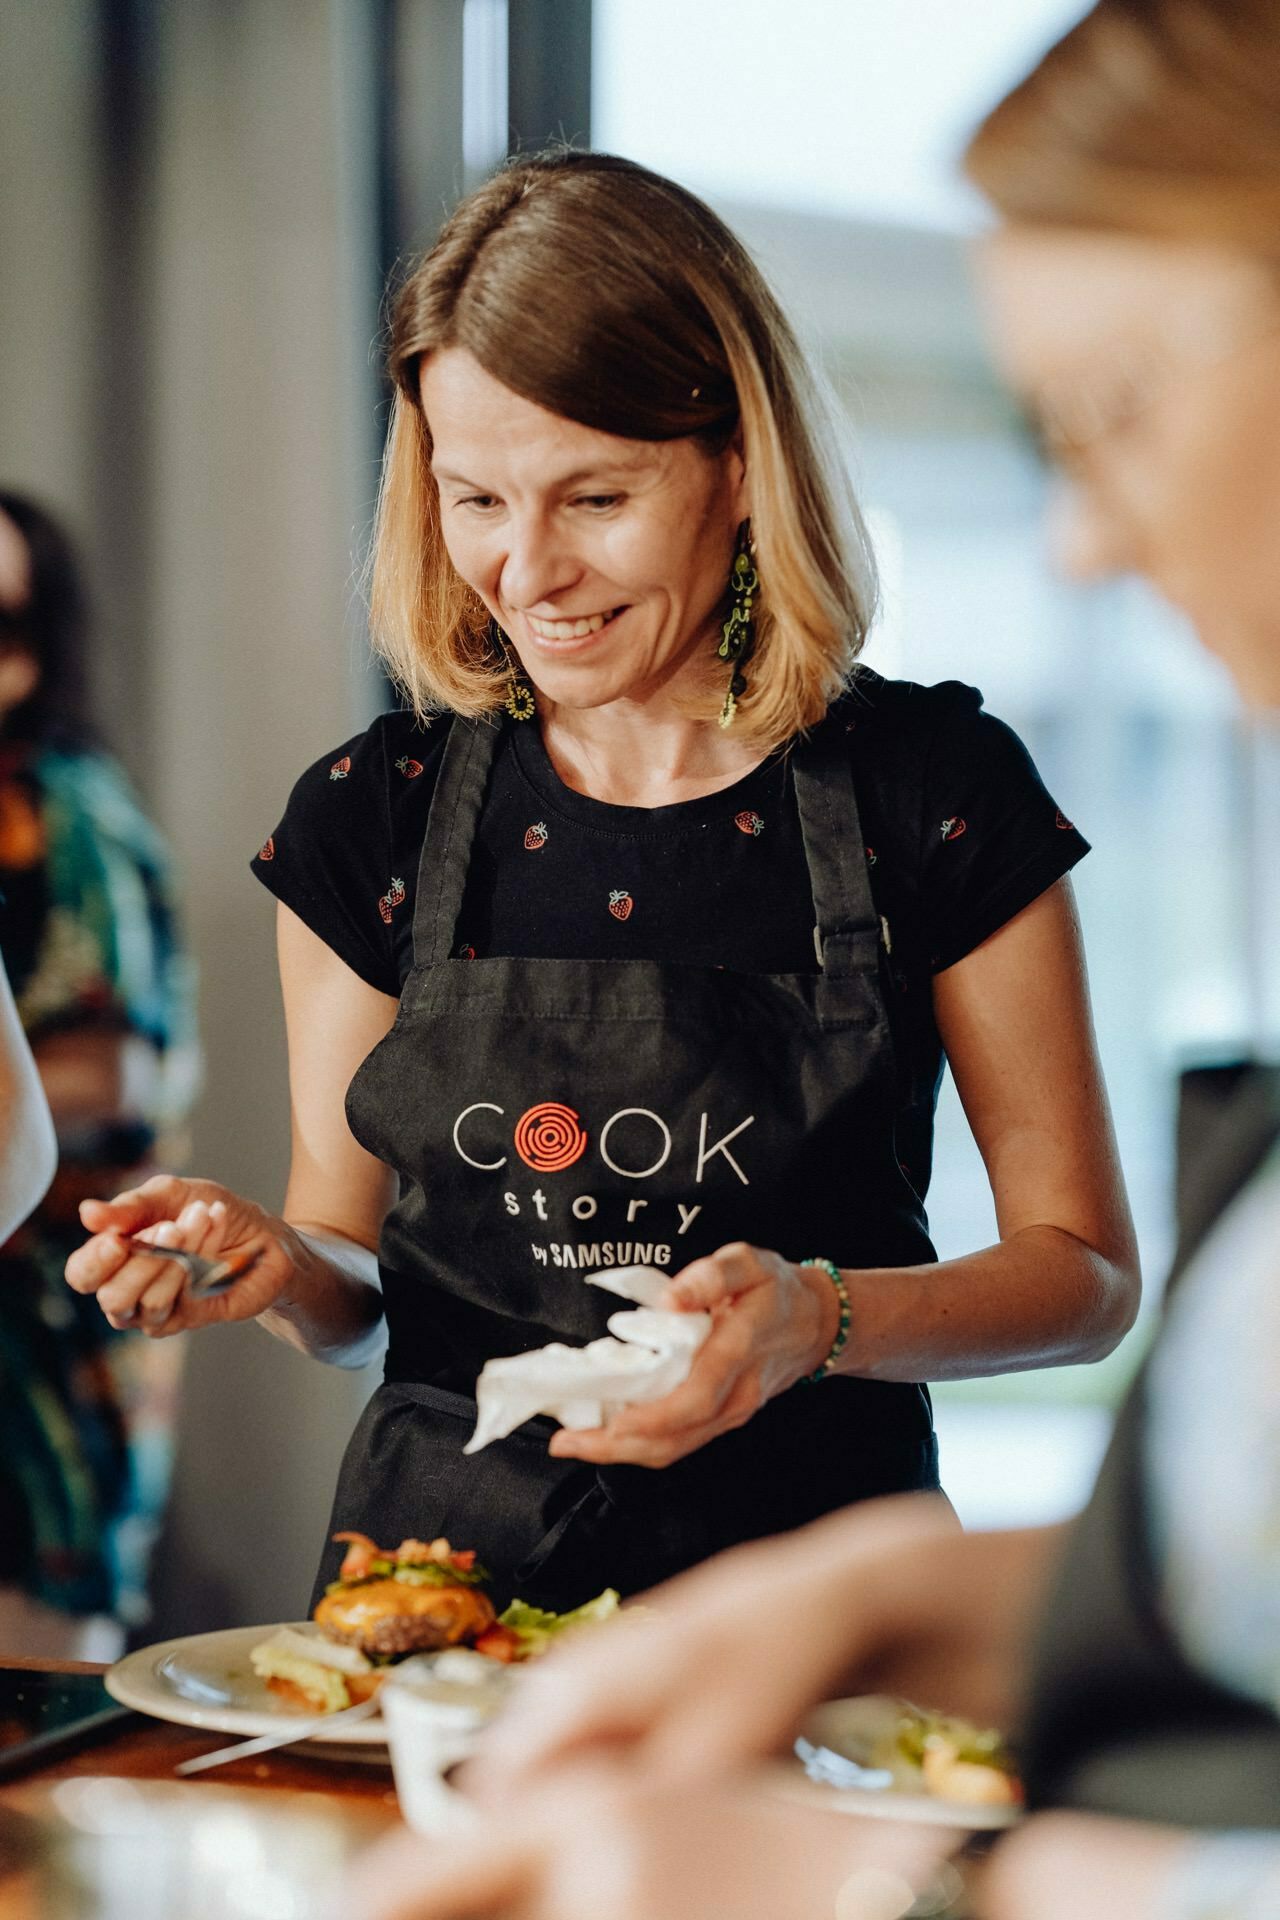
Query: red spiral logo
point(550, 1137)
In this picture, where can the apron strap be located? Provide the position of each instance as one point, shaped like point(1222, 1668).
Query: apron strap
point(451, 829)
point(848, 929)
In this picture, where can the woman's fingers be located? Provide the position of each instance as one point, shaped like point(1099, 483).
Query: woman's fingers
point(161, 1198)
point(662, 1445)
point(717, 1277)
point(198, 1229)
point(133, 1288)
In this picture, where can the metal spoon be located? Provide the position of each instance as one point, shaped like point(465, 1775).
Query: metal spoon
point(205, 1277)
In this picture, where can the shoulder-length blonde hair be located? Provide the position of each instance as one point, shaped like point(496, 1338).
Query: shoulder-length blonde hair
point(615, 298)
point(1155, 117)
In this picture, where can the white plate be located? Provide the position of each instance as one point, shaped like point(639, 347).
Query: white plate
point(852, 1728)
point(205, 1680)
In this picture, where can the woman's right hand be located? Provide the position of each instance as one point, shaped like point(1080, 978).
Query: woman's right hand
point(198, 1215)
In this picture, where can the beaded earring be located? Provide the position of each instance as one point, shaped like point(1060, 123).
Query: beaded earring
point(519, 701)
point(738, 635)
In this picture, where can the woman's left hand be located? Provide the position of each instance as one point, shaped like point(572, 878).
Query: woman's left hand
point(772, 1323)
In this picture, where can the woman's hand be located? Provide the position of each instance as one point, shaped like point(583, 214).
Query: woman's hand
point(772, 1323)
point(198, 1215)
point(596, 1842)
point(720, 1665)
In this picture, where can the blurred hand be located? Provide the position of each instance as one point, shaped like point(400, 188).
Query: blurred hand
point(198, 1215)
point(772, 1323)
point(595, 1843)
point(720, 1665)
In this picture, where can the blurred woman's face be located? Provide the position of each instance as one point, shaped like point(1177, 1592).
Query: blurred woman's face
point(1152, 370)
point(603, 560)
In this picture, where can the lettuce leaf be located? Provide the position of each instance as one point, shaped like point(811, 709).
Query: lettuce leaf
point(536, 1627)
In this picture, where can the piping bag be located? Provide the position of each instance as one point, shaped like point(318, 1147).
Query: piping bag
point(647, 1353)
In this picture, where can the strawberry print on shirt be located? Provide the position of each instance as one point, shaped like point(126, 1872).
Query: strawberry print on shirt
point(391, 899)
point(535, 836)
point(952, 829)
point(340, 768)
point(749, 822)
point(620, 903)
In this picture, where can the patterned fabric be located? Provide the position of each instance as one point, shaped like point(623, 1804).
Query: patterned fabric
point(1214, 1397)
point(89, 939)
point(960, 836)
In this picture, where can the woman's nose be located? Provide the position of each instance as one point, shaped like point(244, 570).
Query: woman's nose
point(537, 566)
point(1088, 538)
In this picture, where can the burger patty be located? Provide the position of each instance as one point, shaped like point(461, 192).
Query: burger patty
point(387, 1616)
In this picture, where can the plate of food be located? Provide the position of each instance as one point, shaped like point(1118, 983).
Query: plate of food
point(386, 1605)
point(881, 1756)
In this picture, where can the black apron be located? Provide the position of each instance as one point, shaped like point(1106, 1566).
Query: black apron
point(548, 1118)
point(1119, 1722)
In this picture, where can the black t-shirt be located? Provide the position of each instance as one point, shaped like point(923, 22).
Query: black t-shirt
point(960, 835)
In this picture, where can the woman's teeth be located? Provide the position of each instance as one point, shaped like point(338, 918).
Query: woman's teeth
point(568, 629)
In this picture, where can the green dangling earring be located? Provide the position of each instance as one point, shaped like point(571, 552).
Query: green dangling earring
point(519, 702)
point(738, 636)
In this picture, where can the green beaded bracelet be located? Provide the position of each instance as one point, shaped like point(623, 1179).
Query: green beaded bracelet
point(838, 1345)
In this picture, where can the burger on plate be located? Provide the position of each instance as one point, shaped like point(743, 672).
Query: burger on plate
point(386, 1604)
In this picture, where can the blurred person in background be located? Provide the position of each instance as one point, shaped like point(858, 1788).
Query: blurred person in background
point(28, 1146)
point(1134, 291)
point(103, 993)
point(553, 985)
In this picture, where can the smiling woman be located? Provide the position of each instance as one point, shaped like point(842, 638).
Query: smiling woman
point(646, 398)
point(640, 934)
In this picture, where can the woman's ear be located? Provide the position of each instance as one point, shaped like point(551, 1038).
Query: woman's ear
point(19, 677)
point(738, 477)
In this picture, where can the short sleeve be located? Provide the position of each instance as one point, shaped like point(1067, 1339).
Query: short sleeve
point(994, 839)
point(330, 858)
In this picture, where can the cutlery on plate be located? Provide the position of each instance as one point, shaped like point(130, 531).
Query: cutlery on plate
point(265, 1742)
point(205, 1277)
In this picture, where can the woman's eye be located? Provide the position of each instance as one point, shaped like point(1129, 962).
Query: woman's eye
point(599, 502)
point(482, 502)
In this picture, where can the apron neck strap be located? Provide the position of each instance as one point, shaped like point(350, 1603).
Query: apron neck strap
point(451, 830)
point(848, 928)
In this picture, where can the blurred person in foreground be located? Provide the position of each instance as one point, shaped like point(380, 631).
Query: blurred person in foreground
point(102, 992)
point(1134, 288)
point(28, 1146)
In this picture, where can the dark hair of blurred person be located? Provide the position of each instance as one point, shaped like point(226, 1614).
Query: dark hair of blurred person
point(49, 624)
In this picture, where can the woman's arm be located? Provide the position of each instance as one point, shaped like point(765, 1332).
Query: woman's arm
point(337, 1194)
point(28, 1150)
point(315, 1283)
point(1062, 1284)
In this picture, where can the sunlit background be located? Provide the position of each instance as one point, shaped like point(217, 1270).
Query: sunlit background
point(202, 205)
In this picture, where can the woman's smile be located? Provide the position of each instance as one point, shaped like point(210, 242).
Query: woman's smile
point(570, 633)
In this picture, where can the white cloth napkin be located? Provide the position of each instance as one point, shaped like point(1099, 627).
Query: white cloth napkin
point(649, 1353)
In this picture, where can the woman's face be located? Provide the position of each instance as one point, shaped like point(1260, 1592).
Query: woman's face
point(1153, 371)
point(603, 560)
